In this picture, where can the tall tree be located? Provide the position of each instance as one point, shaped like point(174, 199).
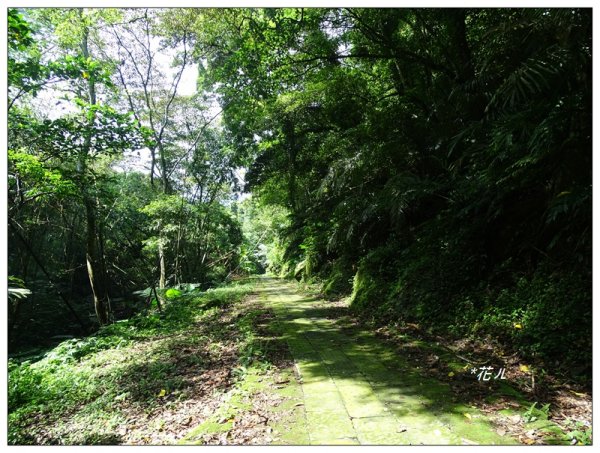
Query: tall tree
point(83, 138)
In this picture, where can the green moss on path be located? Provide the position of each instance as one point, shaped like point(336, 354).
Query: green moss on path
point(345, 386)
point(358, 390)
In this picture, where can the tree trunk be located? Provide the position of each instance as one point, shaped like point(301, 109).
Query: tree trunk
point(163, 169)
point(291, 136)
point(96, 271)
point(163, 268)
point(94, 259)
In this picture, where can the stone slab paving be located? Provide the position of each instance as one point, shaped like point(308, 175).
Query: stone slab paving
point(356, 390)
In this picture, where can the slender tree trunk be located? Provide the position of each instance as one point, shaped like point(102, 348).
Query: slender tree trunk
point(463, 59)
point(163, 169)
point(177, 260)
point(96, 271)
point(289, 131)
point(152, 165)
point(94, 259)
point(163, 267)
point(158, 123)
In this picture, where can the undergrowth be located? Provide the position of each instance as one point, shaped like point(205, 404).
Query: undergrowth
point(76, 393)
point(545, 316)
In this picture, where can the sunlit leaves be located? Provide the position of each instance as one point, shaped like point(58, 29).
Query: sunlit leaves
point(35, 178)
point(98, 130)
point(71, 67)
point(19, 31)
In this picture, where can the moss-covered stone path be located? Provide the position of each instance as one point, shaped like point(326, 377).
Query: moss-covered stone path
point(356, 390)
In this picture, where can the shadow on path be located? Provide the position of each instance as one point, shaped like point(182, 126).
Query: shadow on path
point(359, 391)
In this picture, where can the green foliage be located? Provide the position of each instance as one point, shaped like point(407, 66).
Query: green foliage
point(99, 371)
point(39, 180)
point(453, 173)
point(580, 433)
point(202, 239)
point(78, 67)
point(172, 293)
point(370, 286)
point(251, 349)
point(23, 382)
point(19, 31)
point(17, 291)
point(73, 350)
point(542, 305)
point(25, 71)
point(532, 414)
point(440, 159)
point(262, 227)
point(74, 191)
point(107, 131)
point(544, 316)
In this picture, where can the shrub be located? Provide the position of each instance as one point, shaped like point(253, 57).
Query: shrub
point(372, 281)
point(339, 280)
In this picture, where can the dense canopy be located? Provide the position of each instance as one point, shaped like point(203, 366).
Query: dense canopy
point(432, 165)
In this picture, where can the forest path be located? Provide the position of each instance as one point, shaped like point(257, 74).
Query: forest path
point(357, 390)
